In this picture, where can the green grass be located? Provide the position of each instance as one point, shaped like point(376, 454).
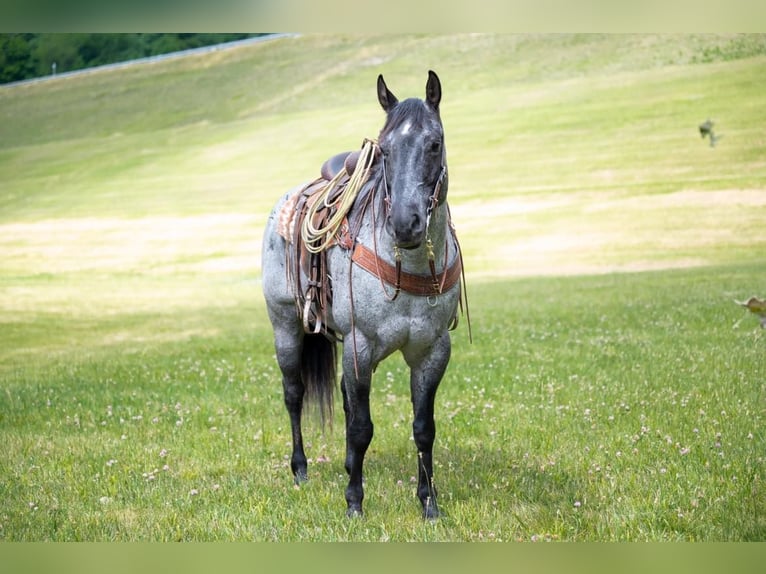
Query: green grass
point(614, 391)
point(599, 408)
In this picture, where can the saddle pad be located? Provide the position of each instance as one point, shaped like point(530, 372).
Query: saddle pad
point(295, 207)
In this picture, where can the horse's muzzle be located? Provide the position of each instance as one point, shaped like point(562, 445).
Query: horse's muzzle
point(407, 229)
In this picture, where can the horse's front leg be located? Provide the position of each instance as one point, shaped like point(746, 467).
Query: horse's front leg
point(359, 427)
point(427, 370)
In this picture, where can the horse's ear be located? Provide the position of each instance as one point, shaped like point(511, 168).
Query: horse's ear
point(433, 90)
point(385, 97)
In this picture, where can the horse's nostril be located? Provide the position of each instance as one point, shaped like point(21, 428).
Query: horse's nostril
point(416, 225)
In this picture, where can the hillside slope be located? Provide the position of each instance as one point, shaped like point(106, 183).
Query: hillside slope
point(567, 153)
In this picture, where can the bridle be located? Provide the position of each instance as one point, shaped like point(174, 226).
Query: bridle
point(433, 202)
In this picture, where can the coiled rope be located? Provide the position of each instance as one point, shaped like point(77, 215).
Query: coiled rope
point(317, 239)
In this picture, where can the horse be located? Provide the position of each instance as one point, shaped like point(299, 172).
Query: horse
point(382, 275)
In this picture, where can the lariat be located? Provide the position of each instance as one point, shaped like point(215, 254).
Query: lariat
point(318, 239)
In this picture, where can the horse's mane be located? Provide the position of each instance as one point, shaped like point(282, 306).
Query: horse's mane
point(363, 199)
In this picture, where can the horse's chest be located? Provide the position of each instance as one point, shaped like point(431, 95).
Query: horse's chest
point(363, 303)
point(409, 320)
point(422, 329)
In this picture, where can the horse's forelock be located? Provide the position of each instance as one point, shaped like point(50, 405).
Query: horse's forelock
point(411, 110)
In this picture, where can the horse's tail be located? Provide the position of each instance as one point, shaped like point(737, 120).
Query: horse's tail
point(318, 371)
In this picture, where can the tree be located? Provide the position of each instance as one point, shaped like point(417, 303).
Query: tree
point(16, 61)
point(99, 49)
point(25, 56)
point(63, 49)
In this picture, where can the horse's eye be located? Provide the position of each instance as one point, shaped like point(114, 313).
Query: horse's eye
point(435, 146)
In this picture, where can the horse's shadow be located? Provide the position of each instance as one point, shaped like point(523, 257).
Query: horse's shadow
point(488, 477)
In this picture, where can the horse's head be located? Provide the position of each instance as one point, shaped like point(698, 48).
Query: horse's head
point(414, 161)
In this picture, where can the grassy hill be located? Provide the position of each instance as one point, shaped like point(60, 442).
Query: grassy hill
point(561, 129)
point(614, 390)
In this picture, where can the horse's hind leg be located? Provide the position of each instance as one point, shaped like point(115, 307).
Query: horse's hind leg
point(288, 333)
point(289, 348)
point(426, 374)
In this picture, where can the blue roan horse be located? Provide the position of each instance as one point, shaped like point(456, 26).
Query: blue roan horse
point(376, 267)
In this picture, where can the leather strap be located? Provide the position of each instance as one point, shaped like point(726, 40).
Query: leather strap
point(422, 285)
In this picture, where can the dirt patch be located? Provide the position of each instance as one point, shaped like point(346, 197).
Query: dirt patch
point(536, 234)
point(587, 232)
point(205, 243)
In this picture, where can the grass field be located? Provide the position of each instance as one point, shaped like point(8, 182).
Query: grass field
point(614, 390)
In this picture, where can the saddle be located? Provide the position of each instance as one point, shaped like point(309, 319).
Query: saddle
point(313, 300)
point(345, 160)
point(293, 212)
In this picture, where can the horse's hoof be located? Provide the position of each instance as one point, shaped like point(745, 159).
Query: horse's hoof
point(430, 511)
point(300, 477)
point(354, 512)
